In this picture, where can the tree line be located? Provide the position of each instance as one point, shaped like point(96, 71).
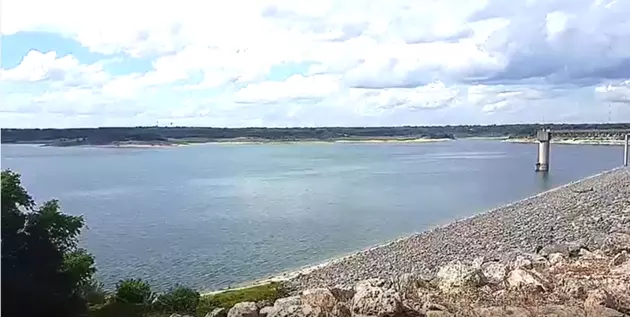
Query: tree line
point(97, 136)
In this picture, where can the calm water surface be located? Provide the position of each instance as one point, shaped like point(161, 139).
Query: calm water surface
point(212, 216)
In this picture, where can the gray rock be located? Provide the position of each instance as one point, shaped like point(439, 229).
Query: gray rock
point(438, 313)
point(502, 312)
point(343, 294)
point(341, 310)
point(265, 311)
point(244, 309)
point(526, 279)
point(616, 242)
point(556, 258)
point(522, 262)
point(620, 259)
point(296, 311)
point(288, 301)
point(457, 274)
point(494, 272)
point(218, 312)
point(559, 311)
point(376, 301)
point(319, 297)
point(567, 248)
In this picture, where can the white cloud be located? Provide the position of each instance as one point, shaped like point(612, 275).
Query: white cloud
point(616, 93)
point(363, 58)
point(295, 89)
point(37, 66)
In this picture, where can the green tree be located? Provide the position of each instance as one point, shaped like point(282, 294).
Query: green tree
point(41, 263)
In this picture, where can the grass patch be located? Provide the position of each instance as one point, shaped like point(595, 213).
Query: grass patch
point(227, 299)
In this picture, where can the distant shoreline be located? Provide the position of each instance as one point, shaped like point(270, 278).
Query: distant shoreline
point(233, 141)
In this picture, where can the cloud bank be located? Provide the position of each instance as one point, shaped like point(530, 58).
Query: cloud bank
point(302, 63)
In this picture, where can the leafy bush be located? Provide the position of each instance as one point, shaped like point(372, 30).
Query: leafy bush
point(133, 291)
point(178, 300)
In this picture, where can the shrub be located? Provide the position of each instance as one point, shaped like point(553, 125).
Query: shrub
point(93, 292)
point(133, 291)
point(178, 300)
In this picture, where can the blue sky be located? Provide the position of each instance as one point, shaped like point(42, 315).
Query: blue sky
point(297, 63)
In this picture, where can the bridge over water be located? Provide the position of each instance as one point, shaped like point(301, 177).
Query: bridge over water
point(544, 142)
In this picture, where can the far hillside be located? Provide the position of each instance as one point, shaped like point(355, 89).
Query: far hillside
point(172, 135)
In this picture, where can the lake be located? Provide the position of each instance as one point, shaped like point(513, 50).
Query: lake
point(216, 215)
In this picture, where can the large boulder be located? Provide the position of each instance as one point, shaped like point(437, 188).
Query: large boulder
point(494, 272)
point(457, 274)
point(319, 297)
point(375, 301)
point(287, 301)
point(342, 294)
point(295, 311)
point(341, 310)
point(616, 242)
point(502, 312)
point(559, 311)
point(567, 248)
point(218, 312)
point(526, 279)
point(244, 309)
point(265, 311)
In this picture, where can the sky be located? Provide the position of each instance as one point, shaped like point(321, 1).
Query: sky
point(78, 63)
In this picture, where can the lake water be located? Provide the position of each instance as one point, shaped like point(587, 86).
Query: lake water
point(216, 215)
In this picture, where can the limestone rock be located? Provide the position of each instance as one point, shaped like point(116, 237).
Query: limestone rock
point(265, 311)
point(556, 258)
point(342, 294)
point(376, 301)
point(566, 249)
point(494, 272)
point(319, 297)
point(623, 269)
point(296, 311)
point(288, 301)
point(341, 310)
point(522, 262)
point(526, 279)
point(457, 274)
point(616, 242)
point(218, 312)
point(502, 312)
point(438, 313)
point(559, 311)
point(244, 309)
point(620, 259)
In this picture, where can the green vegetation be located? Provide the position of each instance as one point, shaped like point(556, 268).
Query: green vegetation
point(133, 291)
point(227, 299)
point(42, 264)
point(183, 135)
point(178, 300)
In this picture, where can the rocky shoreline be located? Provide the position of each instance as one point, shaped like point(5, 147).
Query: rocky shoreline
point(584, 211)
